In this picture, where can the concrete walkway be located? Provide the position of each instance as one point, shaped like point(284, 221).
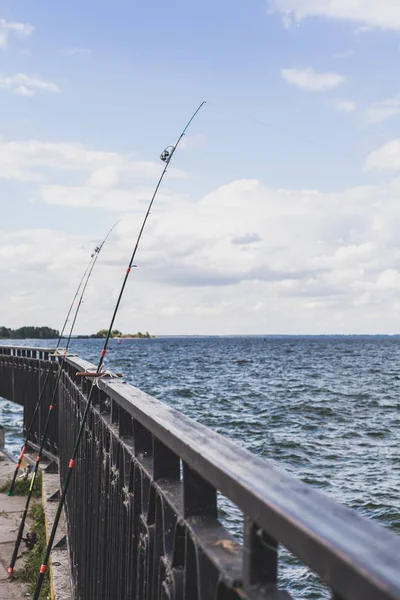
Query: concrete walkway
point(11, 509)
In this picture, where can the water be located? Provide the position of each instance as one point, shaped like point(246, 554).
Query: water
point(325, 409)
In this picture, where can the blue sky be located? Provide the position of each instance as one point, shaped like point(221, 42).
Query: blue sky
point(296, 151)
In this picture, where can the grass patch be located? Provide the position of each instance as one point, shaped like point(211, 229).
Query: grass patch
point(29, 573)
point(21, 487)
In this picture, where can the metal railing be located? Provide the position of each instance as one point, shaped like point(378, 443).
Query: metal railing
point(23, 371)
point(142, 509)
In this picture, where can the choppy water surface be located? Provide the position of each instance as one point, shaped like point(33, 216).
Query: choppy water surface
point(324, 408)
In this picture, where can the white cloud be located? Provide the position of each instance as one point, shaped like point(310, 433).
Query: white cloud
point(389, 280)
point(34, 160)
point(384, 14)
point(245, 258)
point(380, 111)
point(308, 79)
point(22, 29)
point(107, 177)
point(44, 272)
point(385, 158)
point(126, 200)
point(26, 85)
point(345, 106)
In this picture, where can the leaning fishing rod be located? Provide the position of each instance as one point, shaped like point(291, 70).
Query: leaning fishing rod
point(166, 157)
point(52, 405)
point(39, 402)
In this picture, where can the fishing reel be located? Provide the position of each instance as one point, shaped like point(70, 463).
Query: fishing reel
point(166, 154)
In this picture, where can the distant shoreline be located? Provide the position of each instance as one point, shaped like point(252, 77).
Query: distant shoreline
point(215, 335)
point(29, 332)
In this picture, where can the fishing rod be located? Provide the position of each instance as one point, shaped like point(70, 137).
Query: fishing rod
point(52, 405)
point(166, 157)
point(39, 402)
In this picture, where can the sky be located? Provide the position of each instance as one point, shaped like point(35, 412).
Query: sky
point(280, 211)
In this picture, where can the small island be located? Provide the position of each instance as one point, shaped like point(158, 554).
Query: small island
point(29, 332)
point(117, 334)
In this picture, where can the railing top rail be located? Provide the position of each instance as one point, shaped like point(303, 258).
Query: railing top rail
point(22, 347)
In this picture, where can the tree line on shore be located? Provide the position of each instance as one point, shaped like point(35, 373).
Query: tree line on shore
point(47, 333)
point(28, 332)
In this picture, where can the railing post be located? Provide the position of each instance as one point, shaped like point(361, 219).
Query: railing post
point(142, 439)
point(199, 496)
point(260, 559)
point(125, 424)
point(166, 464)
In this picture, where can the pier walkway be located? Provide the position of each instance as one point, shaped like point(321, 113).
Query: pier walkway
point(11, 509)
